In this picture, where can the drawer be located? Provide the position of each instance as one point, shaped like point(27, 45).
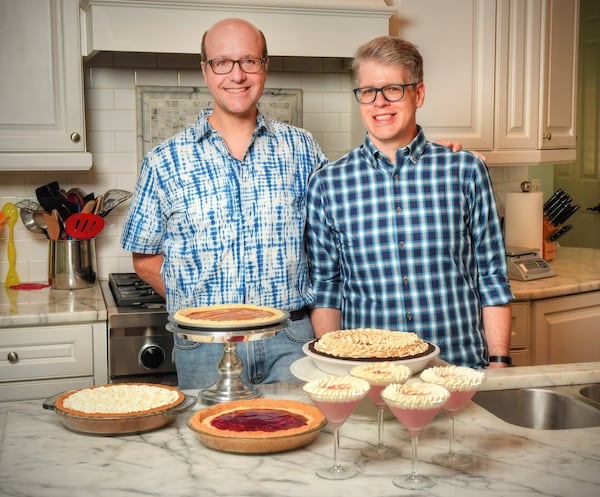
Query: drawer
point(46, 352)
point(520, 325)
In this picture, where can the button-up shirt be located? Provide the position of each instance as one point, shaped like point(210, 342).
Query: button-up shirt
point(416, 246)
point(231, 231)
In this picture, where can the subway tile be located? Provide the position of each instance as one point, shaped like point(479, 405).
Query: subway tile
point(162, 77)
point(108, 77)
point(99, 98)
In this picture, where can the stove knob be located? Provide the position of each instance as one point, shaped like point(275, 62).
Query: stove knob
point(151, 356)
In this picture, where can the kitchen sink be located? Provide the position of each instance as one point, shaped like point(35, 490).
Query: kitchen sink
point(548, 408)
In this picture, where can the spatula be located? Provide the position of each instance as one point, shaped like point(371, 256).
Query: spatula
point(9, 211)
point(84, 225)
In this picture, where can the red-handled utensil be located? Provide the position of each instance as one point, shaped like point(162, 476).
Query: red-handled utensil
point(84, 225)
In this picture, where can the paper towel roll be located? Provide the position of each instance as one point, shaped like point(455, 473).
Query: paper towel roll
point(523, 220)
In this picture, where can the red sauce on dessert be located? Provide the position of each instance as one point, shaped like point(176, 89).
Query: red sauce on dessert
point(230, 314)
point(267, 420)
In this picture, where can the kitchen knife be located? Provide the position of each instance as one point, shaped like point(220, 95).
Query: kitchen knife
point(551, 205)
point(554, 198)
point(566, 214)
point(558, 233)
point(558, 209)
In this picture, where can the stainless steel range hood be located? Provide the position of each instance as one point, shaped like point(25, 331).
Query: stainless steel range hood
point(309, 28)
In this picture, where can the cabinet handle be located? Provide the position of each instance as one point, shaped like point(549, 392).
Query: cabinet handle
point(75, 137)
point(12, 357)
point(547, 136)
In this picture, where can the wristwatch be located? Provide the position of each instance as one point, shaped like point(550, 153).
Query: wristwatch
point(501, 358)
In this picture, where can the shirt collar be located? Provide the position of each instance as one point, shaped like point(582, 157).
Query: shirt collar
point(411, 153)
point(204, 129)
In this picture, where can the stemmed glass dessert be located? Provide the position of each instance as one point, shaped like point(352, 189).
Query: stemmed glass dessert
point(462, 383)
point(379, 375)
point(415, 405)
point(337, 397)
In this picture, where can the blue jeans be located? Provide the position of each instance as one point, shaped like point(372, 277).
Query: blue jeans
point(265, 361)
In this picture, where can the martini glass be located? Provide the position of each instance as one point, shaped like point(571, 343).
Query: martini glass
point(337, 397)
point(462, 383)
point(415, 405)
point(379, 375)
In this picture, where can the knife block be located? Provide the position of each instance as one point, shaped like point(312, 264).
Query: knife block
point(549, 248)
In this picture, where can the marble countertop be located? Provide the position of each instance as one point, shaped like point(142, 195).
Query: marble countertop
point(40, 458)
point(49, 306)
point(577, 271)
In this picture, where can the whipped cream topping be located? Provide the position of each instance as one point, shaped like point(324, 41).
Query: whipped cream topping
point(337, 388)
point(419, 395)
point(382, 373)
point(454, 378)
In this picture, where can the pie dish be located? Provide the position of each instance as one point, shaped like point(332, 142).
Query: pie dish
point(118, 423)
point(229, 316)
point(255, 426)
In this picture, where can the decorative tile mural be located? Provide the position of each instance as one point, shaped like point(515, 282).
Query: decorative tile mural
point(164, 111)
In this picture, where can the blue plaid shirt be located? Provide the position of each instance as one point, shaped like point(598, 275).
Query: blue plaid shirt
point(230, 231)
point(414, 247)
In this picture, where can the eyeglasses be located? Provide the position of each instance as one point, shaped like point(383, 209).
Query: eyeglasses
point(392, 93)
point(225, 66)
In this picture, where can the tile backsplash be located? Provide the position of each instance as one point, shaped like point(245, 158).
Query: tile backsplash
point(112, 86)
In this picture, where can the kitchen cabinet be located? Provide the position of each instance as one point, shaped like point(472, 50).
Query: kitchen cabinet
point(39, 361)
point(520, 331)
point(41, 91)
point(567, 329)
point(502, 80)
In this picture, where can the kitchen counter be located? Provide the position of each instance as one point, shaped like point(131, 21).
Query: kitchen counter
point(577, 271)
point(39, 457)
point(49, 306)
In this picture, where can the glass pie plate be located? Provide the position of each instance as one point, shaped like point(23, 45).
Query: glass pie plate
point(257, 442)
point(118, 425)
point(341, 367)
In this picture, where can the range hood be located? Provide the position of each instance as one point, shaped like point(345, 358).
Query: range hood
point(307, 28)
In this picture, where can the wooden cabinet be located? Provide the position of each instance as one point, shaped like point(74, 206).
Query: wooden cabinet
point(567, 329)
point(40, 361)
point(520, 340)
point(503, 79)
point(41, 91)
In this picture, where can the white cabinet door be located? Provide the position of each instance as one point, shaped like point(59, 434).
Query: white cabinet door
point(567, 329)
point(41, 88)
point(456, 40)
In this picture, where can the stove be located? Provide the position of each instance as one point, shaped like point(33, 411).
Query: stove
point(140, 349)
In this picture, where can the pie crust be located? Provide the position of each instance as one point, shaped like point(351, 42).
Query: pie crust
point(229, 315)
point(305, 420)
point(154, 398)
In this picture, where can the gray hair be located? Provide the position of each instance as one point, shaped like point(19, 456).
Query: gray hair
point(390, 50)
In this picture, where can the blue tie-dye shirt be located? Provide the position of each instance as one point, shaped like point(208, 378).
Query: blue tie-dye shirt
point(230, 230)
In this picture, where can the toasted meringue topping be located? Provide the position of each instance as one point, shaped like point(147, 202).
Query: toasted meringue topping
point(419, 395)
point(454, 378)
point(337, 388)
point(382, 373)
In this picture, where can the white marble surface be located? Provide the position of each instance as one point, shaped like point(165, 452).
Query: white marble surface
point(577, 271)
point(49, 306)
point(40, 458)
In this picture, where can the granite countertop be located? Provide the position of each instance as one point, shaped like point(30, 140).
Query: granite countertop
point(40, 458)
point(577, 271)
point(49, 306)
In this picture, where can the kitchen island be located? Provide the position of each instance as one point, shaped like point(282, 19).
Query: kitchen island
point(40, 458)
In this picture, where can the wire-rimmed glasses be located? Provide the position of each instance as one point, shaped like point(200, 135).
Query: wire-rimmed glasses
point(392, 93)
point(225, 66)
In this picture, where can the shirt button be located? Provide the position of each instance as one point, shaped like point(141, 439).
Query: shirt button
point(413, 160)
point(405, 280)
point(398, 209)
point(401, 245)
point(409, 316)
point(396, 177)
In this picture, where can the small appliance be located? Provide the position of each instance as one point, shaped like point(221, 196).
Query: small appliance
point(526, 264)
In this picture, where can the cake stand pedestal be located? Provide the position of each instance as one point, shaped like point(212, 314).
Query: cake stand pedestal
point(230, 385)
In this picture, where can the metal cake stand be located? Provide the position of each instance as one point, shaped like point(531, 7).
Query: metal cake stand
point(230, 385)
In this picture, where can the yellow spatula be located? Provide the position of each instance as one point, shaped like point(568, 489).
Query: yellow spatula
point(9, 211)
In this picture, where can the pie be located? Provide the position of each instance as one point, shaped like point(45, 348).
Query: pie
point(120, 400)
point(454, 378)
point(369, 344)
point(229, 315)
point(257, 425)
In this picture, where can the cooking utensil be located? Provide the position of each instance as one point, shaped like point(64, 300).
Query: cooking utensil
point(29, 221)
point(98, 204)
point(557, 234)
point(567, 213)
point(54, 227)
point(554, 198)
point(84, 225)
point(111, 199)
point(28, 204)
point(40, 220)
point(558, 210)
point(89, 206)
point(9, 211)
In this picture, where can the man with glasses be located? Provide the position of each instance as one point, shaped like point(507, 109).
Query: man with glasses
point(218, 212)
point(403, 234)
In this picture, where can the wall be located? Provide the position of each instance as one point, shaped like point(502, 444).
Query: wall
point(110, 81)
